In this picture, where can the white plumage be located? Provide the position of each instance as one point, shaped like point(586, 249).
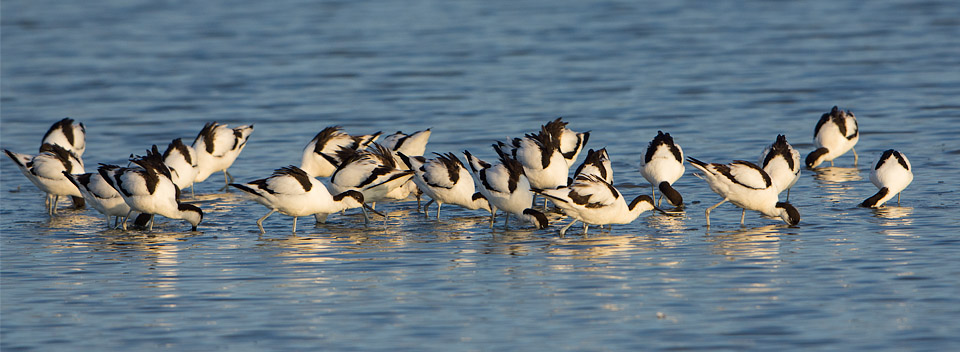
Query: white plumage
point(506, 188)
point(782, 163)
point(183, 163)
point(293, 192)
point(100, 194)
point(539, 154)
point(372, 172)
point(68, 134)
point(446, 181)
point(747, 186)
point(892, 174)
point(320, 157)
point(149, 190)
point(597, 163)
point(571, 143)
point(593, 201)
point(217, 147)
point(662, 165)
point(835, 134)
point(45, 170)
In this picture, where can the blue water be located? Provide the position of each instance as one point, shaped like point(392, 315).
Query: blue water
point(724, 78)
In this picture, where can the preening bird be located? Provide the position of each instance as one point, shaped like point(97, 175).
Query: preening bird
point(662, 165)
point(782, 163)
point(892, 174)
point(446, 181)
point(217, 147)
point(835, 134)
point(150, 190)
point(320, 157)
point(506, 188)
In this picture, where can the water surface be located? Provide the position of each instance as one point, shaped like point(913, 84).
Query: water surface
point(723, 78)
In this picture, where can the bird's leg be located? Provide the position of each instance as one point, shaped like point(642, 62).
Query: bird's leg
point(260, 221)
point(898, 199)
point(321, 218)
point(506, 221)
point(743, 213)
point(366, 219)
point(294, 224)
point(440, 204)
point(855, 156)
point(426, 208)
point(151, 222)
point(711, 208)
point(585, 227)
point(563, 231)
point(788, 195)
point(53, 207)
point(831, 163)
point(493, 215)
point(124, 223)
point(227, 179)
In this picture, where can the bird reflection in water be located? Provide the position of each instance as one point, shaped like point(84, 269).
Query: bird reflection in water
point(896, 221)
point(755, 243)
point(601, 246)
point(835, 182)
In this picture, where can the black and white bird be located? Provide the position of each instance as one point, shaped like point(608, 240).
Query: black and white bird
point(782, 163)
point(372, 172)
point(571, 143)
point(892, 175)
point(414, 144)
point(835, 134)
point(506, 188)
point(593, 201)
point(597, 163)
point(183, 163)
point(747, 186)
point(68, 134)
point(662, 165)
point(446, 181)
point(217, 147)
point(539, 154)
point(100, 194)
point(320, 158)
point(149, 189)
point(45, 170)
point(291, 191)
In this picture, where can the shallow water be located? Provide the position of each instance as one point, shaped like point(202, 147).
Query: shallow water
point(723, 78)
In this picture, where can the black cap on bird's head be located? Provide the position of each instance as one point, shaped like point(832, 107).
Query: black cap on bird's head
point(191, 213)
point(537, 218)
point(788, 213)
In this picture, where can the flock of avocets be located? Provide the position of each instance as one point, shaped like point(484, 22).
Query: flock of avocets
point(363, 172)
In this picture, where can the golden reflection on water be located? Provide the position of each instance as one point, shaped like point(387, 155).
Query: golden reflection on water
point(894, 220)
point(835, 182)
point(674, 223)
point(757, 242)
point(599, 246)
